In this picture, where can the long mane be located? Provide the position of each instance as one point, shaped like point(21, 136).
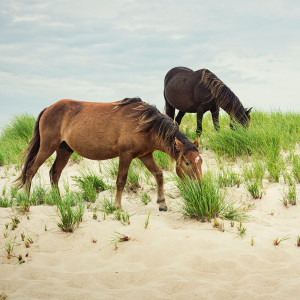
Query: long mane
point(163, 127)
point(223, 94)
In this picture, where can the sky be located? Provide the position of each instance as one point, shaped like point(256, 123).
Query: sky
point(103, 51)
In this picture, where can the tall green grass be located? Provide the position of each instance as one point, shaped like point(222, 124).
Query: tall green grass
point(90, 185)
point(206, 201)
point(296, 167)
point(268, 133)
point(70, 210)
point(15, 137)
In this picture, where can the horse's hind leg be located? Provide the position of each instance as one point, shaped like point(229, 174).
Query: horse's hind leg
point(44, 152)
point(169, 109)
point(63, 154)
point(179, 117)
point(150, 164)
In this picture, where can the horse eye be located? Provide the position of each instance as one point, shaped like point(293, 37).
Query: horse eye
point(187, 163)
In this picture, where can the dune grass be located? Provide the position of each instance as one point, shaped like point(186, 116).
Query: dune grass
point(228, 178)
point(207, 200)
point(296, 167)
point(70, 210)
point(89, 184)
point(15, 137)
point(267, 133)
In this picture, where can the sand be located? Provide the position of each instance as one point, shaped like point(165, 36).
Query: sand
point(173, 258)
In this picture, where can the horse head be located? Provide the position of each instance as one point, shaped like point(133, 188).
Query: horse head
point(189, 162)
point(246, 118)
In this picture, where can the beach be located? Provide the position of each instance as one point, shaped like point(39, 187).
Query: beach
point(175, 257)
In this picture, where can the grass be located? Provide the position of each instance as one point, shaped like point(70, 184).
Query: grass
point(5, 201)
point(122, 216)
point(253, 177)
point(15, 137)
point(113, 168)
point(147, 219)
point(290, 196)
point(162, 159)
point(119, 238)
point(145, 198)
point(267, 129)
point(38, 195)
point(90, 185)
point(133, 177)
point(277, 241)
point(227, 178)
point(9, 247)
point(256, 172)
point(206, 201)
point(254, 188)
point(70, 215)
point(108, 205)
point(23, 201)
point(296, 167)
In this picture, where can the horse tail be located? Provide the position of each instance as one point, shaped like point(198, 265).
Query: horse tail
point(224, 96)
point(30, 152)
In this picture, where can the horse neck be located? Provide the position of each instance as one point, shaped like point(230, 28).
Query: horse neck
point(164, 146)
point(234, 108)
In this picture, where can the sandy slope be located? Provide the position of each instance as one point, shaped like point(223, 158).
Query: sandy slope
point(174, 257)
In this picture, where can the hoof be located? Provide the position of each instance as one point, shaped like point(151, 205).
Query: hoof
point(163, 208)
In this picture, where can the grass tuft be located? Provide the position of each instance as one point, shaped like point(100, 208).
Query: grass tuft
point(108, 205)
point(70, 216)
point(90, 185)
point(15, 138)
point(206, 201)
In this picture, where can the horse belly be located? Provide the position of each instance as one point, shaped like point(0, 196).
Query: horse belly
point(93, 145)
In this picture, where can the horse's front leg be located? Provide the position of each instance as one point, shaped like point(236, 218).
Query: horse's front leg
point(150, 164)
point(199, 122)
point(124, 164)
point(215, 118)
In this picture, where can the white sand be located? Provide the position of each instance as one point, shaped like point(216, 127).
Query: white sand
point(174, 258)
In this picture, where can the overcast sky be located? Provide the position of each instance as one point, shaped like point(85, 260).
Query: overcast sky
point(98, 50)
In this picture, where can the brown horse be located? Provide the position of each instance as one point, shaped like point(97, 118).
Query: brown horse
point(198, 92)
point(126, 129)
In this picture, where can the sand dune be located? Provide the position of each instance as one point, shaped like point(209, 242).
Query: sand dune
point(174, 258)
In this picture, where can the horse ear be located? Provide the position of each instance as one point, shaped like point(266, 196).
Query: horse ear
point(197, 143)
point(179, 145)
point(249, 110)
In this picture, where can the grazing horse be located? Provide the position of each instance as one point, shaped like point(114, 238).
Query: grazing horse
point(198, 92)
point(126, 129)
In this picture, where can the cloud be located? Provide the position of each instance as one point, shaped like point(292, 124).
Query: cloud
point(104, 51)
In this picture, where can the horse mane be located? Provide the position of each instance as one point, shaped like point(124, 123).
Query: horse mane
point(223, 94)
point(164, 128)
point(127, 101)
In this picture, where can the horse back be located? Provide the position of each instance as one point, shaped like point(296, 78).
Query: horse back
point(92, 129)
point(182, 89)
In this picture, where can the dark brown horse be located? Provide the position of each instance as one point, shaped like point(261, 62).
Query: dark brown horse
point(126, 129)
point(198, 92)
